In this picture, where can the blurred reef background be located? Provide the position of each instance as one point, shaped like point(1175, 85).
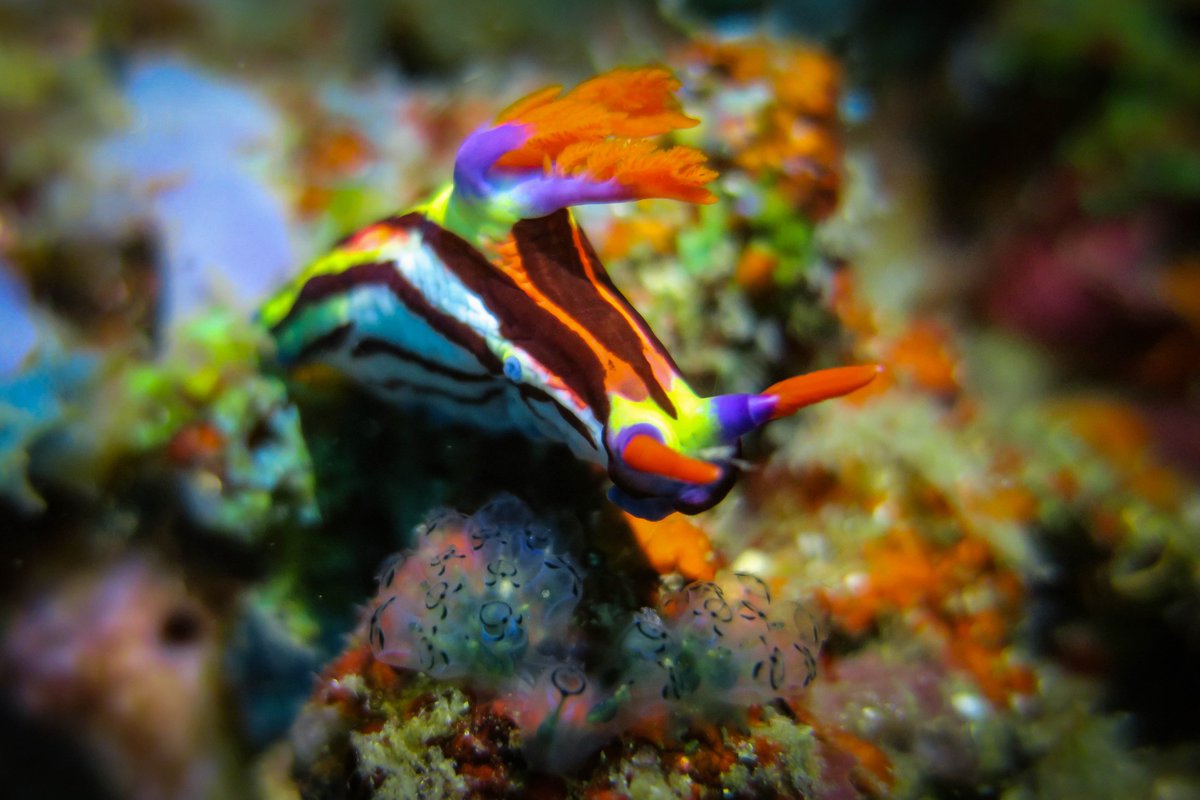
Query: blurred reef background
point(989, 558)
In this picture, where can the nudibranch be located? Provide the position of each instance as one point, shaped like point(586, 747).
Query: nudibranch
point(488, 305)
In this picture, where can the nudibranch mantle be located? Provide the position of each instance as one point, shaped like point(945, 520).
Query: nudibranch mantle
point(488, 305)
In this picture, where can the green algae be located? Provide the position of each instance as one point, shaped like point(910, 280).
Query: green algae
point(794, 769)
point(642, 776)
point(90, 424)
point(402, 759)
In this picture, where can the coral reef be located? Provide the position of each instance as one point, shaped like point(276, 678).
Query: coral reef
point(368, 728)
point(202, 414)
point(399, 754)
point(36, 405)
point(489, 601)
point(988, 557)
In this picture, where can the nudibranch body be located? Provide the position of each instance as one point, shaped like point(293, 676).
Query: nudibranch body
point(489, 305)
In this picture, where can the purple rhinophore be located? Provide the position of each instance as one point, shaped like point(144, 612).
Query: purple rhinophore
point(533, 192)
point(738, 414)
point(543, 195)
point(480, 151)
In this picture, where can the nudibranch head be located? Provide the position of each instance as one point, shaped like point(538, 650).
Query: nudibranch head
point(688, 464)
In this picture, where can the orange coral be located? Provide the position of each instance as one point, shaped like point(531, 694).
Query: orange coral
point(356, 661)
point(1120, 434)
point(804, 154)
point(871, 759)
point(924, 352)
point(676, 544)
point(198, 444)
point(907, 575)
point(624, 234)
point(331, 152)
point(789, 140)
point(873, 763)
point(849, 305)
point(792, 140)
point(755, 268)
point(805, 80)
point(1003, 503)
point(808, 82)
point(744, 60)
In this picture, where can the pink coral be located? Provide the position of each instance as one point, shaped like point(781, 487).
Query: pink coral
point(126, 660)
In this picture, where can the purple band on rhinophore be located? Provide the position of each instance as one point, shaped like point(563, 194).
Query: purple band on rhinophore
point(534, 193)
point(739, 414)
point(546, 194)
point(480, 151)
point(621, 439)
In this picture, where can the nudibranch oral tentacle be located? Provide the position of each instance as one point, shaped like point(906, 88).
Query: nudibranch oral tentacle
point(488, 305)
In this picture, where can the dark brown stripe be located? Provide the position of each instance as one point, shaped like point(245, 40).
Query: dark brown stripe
point(556, 267)
point(533, 393)
point(332, 340)
point(606, 281)
point(523, 321)
point(371, 346)
point(386, 274)
point(475, 400)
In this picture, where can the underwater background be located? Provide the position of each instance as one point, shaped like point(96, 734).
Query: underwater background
point(978, 576)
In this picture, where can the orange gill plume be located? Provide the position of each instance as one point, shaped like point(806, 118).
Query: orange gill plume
point(677, 173)
point(591, 132)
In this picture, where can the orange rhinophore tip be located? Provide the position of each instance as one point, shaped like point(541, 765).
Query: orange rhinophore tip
point(647, 454)
point(804, 390)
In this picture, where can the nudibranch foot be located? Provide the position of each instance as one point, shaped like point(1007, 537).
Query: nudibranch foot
point(651, 509)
